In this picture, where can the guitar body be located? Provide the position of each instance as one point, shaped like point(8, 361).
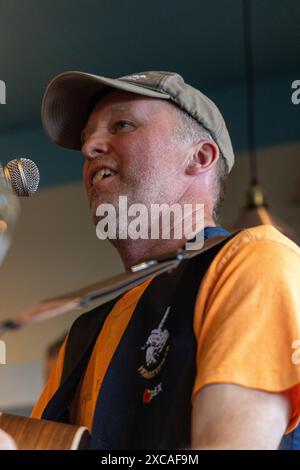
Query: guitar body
point(39, 434)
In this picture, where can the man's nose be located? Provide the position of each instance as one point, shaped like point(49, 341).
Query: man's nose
point(95, 145)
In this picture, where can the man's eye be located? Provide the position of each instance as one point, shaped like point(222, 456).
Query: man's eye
point(119, 125)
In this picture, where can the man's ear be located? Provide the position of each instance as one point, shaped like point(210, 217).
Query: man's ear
point(205, 155)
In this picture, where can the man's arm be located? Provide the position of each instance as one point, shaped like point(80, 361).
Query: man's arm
point(227, 416)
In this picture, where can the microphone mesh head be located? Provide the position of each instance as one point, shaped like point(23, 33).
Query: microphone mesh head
point(24, 176)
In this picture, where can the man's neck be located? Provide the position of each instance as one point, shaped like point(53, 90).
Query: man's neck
point(132, 251)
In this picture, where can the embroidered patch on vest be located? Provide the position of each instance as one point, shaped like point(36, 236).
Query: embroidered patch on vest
point(149, 394)
point(156, 350)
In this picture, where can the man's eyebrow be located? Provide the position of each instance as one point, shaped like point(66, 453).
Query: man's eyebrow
point(118, 108)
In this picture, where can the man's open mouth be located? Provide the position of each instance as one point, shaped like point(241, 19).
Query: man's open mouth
point(102, 174)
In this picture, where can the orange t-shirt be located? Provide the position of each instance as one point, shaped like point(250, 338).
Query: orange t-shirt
point(246, 321)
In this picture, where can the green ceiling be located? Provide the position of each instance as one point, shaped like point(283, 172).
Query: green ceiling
point(202, 40)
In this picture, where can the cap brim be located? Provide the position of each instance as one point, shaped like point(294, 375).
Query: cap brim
point(66, 103)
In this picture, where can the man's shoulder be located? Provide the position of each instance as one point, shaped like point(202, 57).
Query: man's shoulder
point(266, 234)
point(261, 242)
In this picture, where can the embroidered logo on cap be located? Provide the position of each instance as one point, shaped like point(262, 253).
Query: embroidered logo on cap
point(133, 77)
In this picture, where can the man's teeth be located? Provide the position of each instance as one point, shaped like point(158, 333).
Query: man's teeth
point(102, 173)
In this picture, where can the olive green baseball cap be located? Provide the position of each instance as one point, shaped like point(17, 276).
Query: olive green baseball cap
point(67, 102)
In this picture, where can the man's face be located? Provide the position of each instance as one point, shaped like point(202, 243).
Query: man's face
point(134, 136)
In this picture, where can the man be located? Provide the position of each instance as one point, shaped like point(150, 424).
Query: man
point(199, 357)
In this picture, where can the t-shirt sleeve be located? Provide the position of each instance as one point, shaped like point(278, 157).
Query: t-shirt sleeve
point(247, 320)
point(52, 385)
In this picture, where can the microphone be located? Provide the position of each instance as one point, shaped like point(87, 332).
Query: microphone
point(22, 176)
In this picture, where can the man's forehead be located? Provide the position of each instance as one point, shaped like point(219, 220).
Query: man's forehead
point(119, 100)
